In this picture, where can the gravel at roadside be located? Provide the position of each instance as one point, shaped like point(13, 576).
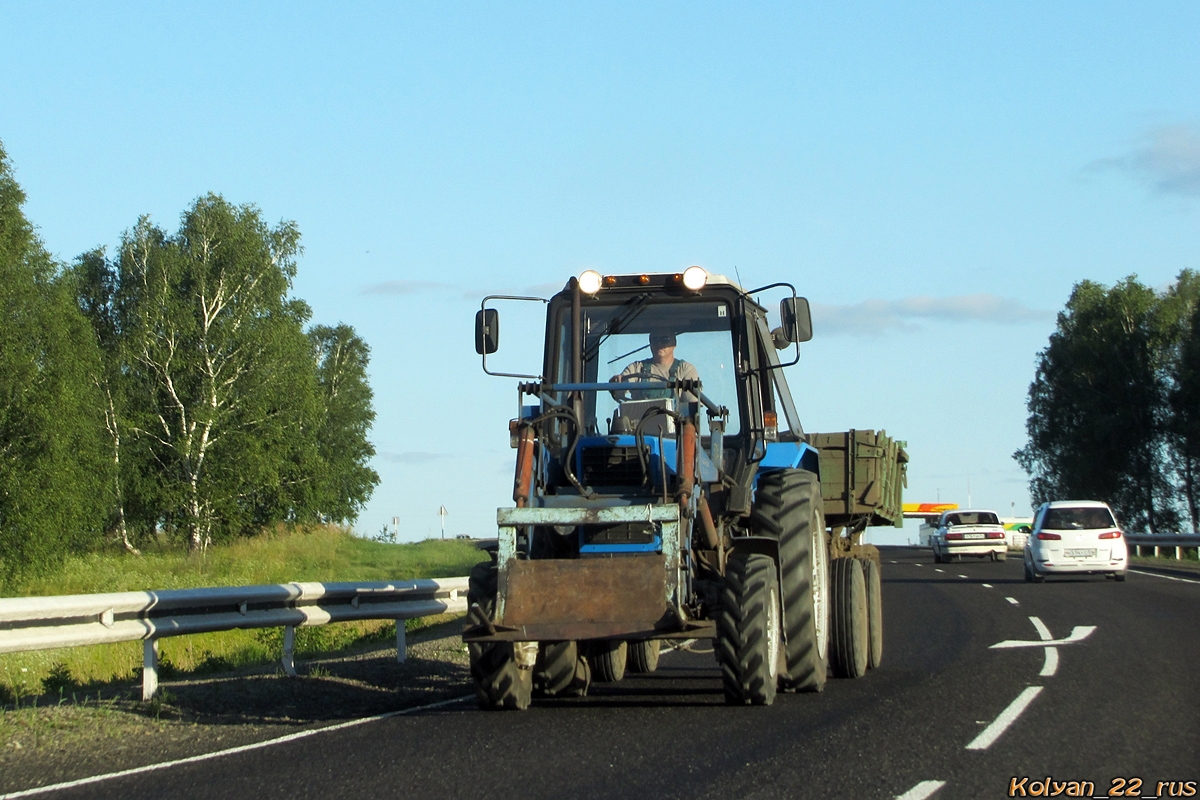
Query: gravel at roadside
point(64, 739)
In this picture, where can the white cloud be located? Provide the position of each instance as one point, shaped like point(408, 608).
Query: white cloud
point(874, 317)
point(1168, 160)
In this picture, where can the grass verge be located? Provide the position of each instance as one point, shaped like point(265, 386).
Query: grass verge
point(282, 556)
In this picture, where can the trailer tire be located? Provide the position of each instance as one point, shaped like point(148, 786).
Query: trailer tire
point(789, 509)
point(607, 659)
point(849, 644)
point(872, 577)
point(560, 670)
point(500, 683)
point(643, 655)
point(749, 629)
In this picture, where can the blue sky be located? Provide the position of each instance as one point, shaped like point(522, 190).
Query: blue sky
point(935, 177)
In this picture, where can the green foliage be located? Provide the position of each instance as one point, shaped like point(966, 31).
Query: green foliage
point(1100, 412)
point(59, 680)
point(53, 487)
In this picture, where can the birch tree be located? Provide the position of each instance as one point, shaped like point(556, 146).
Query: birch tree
point(208, 324)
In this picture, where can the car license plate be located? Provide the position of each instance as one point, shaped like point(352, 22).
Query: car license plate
point(1080, 553)
point(973, 536)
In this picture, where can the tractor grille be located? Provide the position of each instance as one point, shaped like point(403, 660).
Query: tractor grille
point(610, 466)
point(621, 533)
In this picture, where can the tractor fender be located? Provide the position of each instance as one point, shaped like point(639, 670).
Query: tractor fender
point(756, 544)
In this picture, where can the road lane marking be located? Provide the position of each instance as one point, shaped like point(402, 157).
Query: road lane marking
point(1042, 630)
point(291, 737)
point(1012, 600)
point(921, 790)
point(1007, 717)
point(1051, 664)
point(986, 585)
point(935, 569)
point(962, 576)
point(1168, 577)
point(1079, 633)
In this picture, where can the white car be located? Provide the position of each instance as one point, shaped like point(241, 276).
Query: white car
point(1075, 537)
point(969, 533)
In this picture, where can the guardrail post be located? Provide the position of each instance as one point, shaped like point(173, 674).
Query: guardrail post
point(149, 669)
point(289, 650)
point(401, 643)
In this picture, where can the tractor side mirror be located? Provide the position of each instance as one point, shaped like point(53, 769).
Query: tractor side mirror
point(796, 318)
point(487, 331)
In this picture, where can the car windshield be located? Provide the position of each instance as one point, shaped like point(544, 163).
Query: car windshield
point(1078, 518)
point(973, 518)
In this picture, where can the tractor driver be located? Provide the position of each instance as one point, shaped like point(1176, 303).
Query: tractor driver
point(663, 366)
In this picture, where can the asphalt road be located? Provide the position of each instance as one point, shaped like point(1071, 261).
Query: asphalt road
point(1122, 703)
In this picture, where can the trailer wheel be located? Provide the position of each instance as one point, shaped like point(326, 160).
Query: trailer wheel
point(789, 509)
point(560, 671)
point(749, 630)
point(607, 659)
point(874, 582)
point(500, 683)
point(643, 655)
point(850, 640)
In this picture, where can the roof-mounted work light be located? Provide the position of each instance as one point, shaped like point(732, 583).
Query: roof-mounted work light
point(694, 278)
point(589, 281)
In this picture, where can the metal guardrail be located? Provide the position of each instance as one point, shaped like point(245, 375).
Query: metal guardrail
point(1160, 541)
point(42, 623)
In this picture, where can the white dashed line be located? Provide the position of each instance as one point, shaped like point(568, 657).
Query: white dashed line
point(962, 576)
point(921, 790)
point(1012, 600)
point(935, 569)
point(1007, 717)
point(986, 585)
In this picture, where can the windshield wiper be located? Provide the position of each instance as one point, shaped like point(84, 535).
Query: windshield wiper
point(636, 305)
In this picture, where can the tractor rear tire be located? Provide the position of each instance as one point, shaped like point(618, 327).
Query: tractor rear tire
point(749, 630)
point(560, 671)
point(849, 644)
point(643, 655)
point(607, 659)
point(500, 683)
point(789, 509)
point(874, 582)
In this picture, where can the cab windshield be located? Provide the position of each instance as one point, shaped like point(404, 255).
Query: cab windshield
point(617, 342)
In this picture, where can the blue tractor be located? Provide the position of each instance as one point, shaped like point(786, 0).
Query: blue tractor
point(665, 491)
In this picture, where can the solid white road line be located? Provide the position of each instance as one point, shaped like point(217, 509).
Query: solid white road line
point(1007, 717)
point(1051, 665)
point(1078, 634)
point(1012, 600)
point(244, 748)
point(921, 790)
point(1168, 577)
point(1042, 630)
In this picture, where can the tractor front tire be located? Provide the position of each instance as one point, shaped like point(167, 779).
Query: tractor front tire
point(643, 655)
point(500, 682)
point(789, 509)
point(607, 659)
point(560, 671)
point(749, 630)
